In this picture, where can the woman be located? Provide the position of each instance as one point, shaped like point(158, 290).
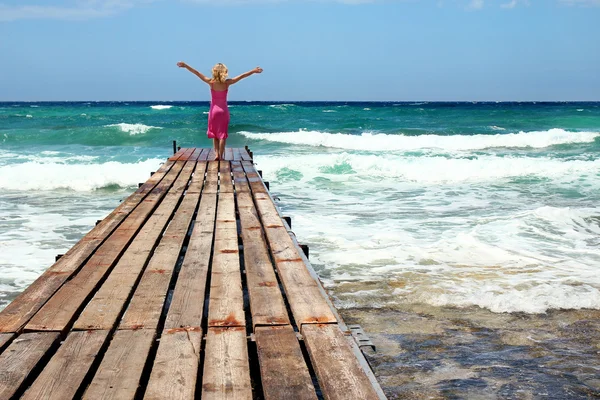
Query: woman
point(218, 117)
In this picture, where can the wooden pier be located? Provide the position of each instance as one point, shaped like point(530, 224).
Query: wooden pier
point(193, 287)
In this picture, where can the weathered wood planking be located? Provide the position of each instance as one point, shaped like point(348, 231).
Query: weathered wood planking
point(212, 154)
point(336, 366)
point(4, 339)
point(245, 155)
point(212, 178)
point(226, 370)
point(266, 302)
point(21, 309)
point(283, 371)
point(225, 181)
point(108, 303)
point(175, 368)
point(20, 358)
point(306, 301)
point(239, 178)
point(62, 308)
point(147, 303)
point(188, 297)
point(177, 155)
point(64, 373)
point(237, 154)
point(229, 153)
point(118, 376)
point(226, 305)
point(176, 365)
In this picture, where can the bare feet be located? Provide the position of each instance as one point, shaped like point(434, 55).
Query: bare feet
point(217, 158)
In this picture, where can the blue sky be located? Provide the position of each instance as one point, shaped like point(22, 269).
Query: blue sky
point(310, 50)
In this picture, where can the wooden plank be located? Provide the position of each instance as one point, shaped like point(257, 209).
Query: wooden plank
point(237, 154)
point(118, 376)
point(186, 305)
point(245, 155)
point(197, 182)
point(21, 309)
point(20, 358)
point(212, 154)
point(108, 303)
point(196, 155)
point(254, 179)
point(64, 373)
point(5, 338)
point(228, 154)
point(176, 365)
point(204, 155)
point(147, 303)
point(283, 371)
point(225, 181)
point(226, 306)
point(239, 178)
point(266, 302)
point(212, 177)
point(336, 366)
point(306, 301)
point(177, 155)
point(187, 154)
point(226, 371)
point(63, 307)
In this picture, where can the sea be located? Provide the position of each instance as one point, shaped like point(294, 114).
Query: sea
point(464, 236)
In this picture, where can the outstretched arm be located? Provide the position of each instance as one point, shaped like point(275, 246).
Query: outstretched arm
point(256, 70)
point(200, 75)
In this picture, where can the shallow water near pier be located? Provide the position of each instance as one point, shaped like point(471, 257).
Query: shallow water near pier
point(425, 352)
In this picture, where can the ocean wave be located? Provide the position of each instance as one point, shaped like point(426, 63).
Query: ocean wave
point(390, 142)
point(34, 175)
point(133, 129)
point(496, 128)
point(434, 169)
point(160, 107)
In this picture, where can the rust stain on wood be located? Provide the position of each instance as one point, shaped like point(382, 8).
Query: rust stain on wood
point(229, 251)
point(229, 321)
point(268, 284)
point(137, 327)
point(288, 259)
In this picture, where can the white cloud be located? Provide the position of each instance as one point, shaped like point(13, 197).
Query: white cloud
point(583, 3)
point(475, 5)
point(511, 4)
point(80, 10)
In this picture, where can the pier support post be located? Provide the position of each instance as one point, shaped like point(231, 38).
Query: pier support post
point(289, 221)
point(58, 256)
point(260, 172)
point(267, 185)
point(304, 248)
point(174, 146)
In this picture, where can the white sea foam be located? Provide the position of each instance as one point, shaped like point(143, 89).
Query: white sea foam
point(34, 175)
point(387, 142)
point(497, 128)
point(451, 232)
point(160, 107)
point(133, 129)
point(435, 170)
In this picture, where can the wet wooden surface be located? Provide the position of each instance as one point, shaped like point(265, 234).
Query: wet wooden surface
point(191, 287)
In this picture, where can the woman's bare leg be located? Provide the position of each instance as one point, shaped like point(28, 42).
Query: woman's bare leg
point(216, 146)
point(222, 148)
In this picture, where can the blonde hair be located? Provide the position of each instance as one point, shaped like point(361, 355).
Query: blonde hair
point(219, 72)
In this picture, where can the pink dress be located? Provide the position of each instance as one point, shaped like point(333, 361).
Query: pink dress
point(218, 116)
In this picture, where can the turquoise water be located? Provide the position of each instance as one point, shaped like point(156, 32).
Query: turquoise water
point(443, 204)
